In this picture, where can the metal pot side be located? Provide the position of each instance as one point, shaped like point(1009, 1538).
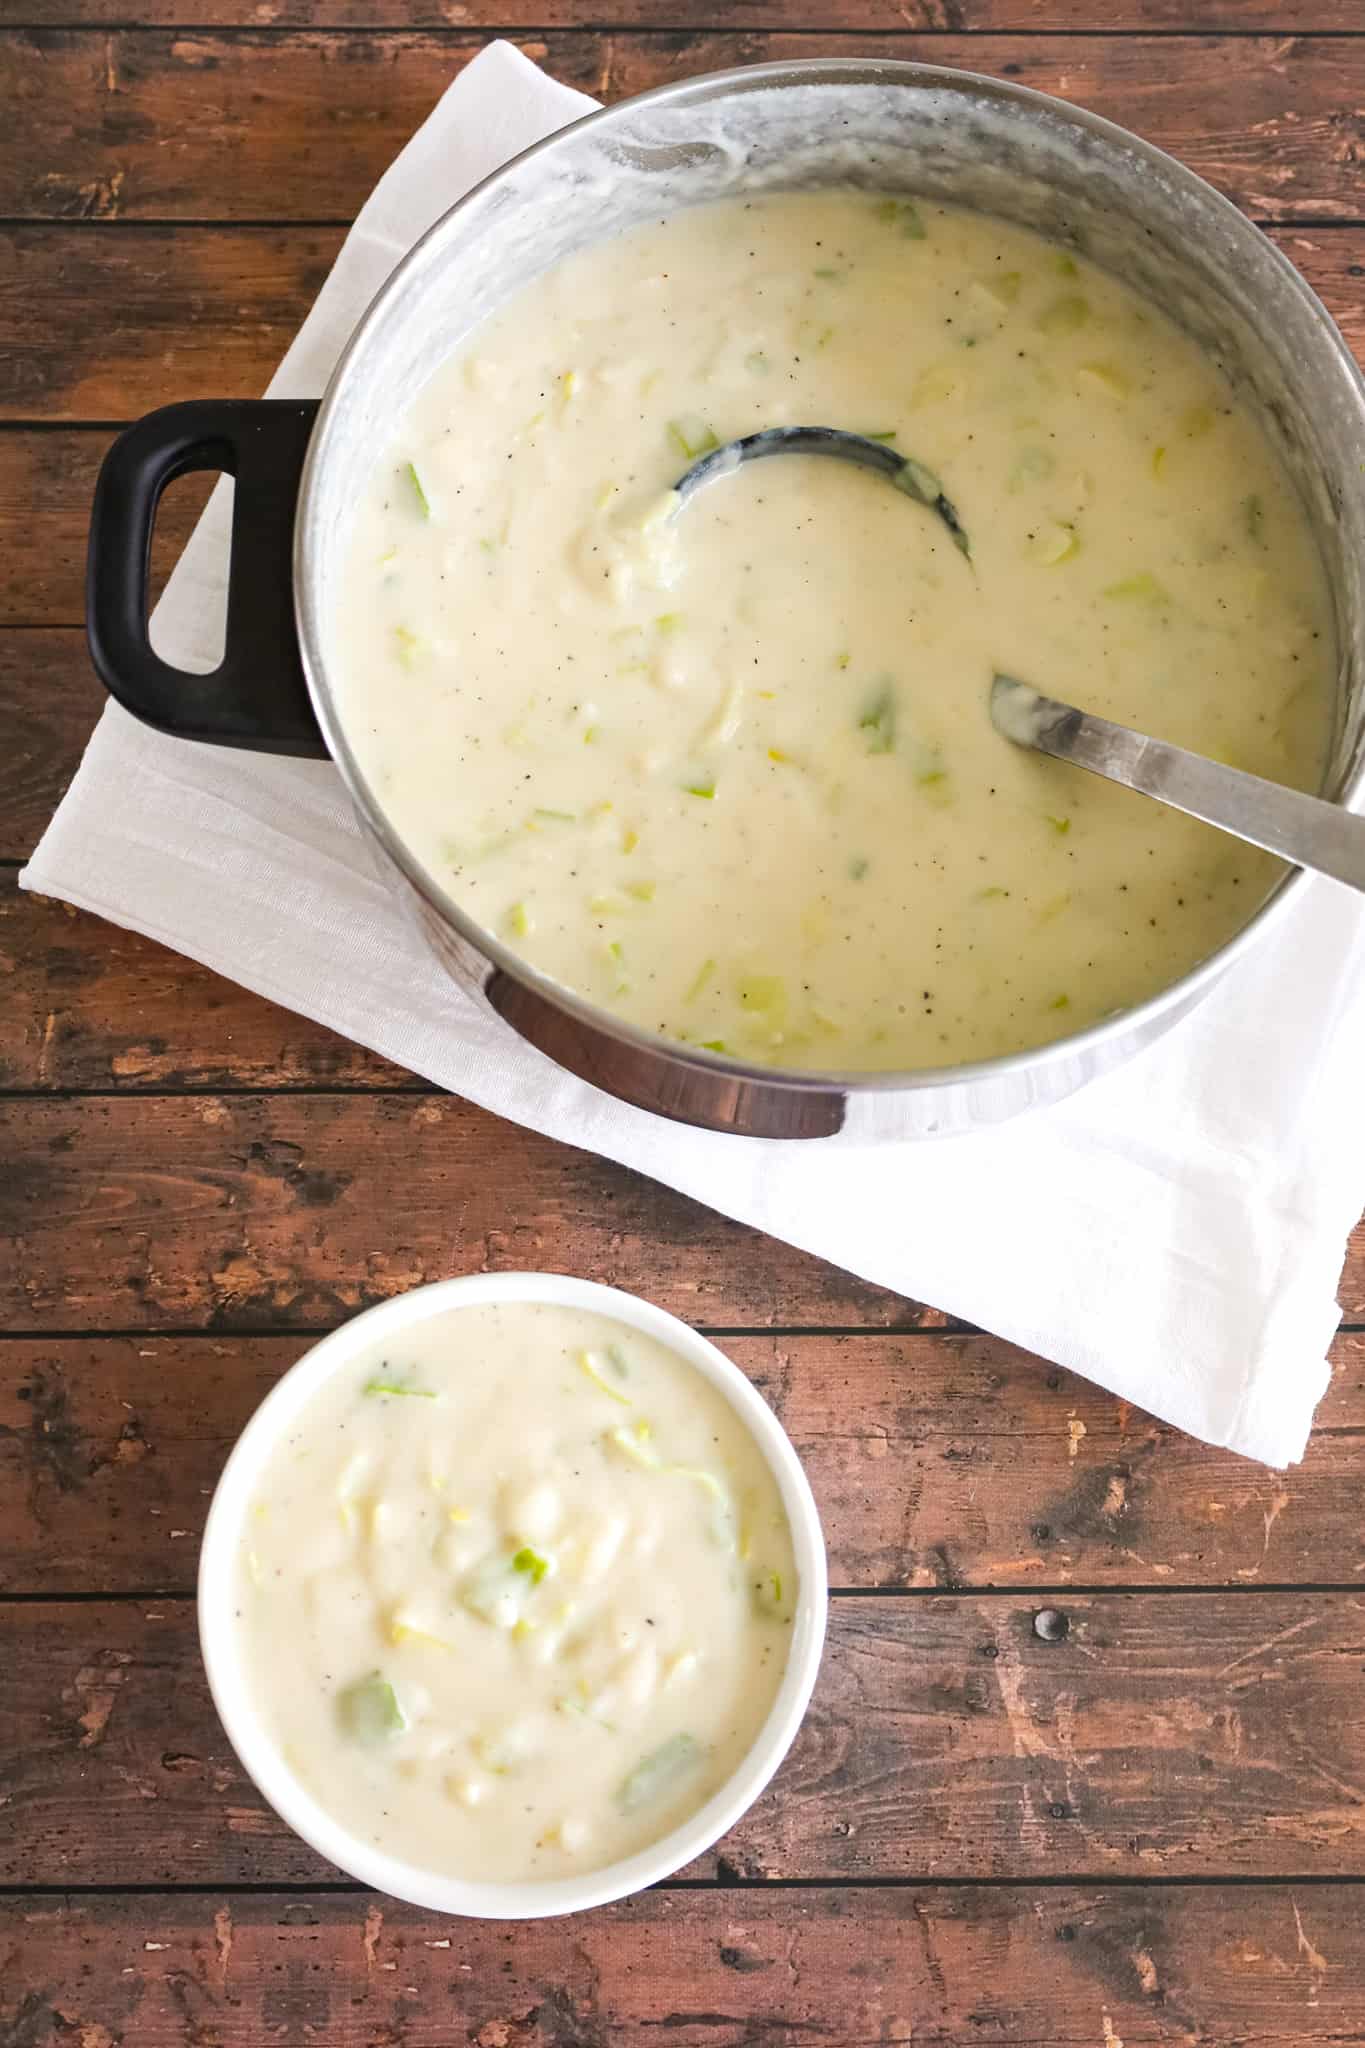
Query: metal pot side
point(948, 135)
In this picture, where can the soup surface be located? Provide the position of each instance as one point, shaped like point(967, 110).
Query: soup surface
point(515, 1593)
point(727, 769)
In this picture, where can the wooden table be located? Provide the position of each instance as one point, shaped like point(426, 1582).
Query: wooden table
point(1150, 1828)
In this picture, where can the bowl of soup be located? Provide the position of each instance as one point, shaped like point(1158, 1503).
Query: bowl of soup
point(512, 1596)
point(703, 797)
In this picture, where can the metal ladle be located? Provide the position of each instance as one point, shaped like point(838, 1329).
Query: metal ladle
point(1306, 830)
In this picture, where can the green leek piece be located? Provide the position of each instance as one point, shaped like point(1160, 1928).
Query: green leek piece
point(699, 981)
point(643, 892)
point(842, 660)
point(1060, 1003)
point(829, 274)
point(990, 895)
point(370, 1712)
point(881, 434)
point(878, 721)
point(669, 622)
point(705, 788)
point(902, 214)
point(532, 1563)
point(764, 993)
point(635, 1444)
point(424, 503)
point(617, 1360)
point(409, 645)
point(555, 817)
point(692, 436)
point(519, 920)
point(1065, 315)
point(1059, 825)
point(659, 1772)
point(857, 868)
point(407, 1393)
point(919, 482)
point(1144, 588)
point(1066, 265)
point(584, 1361)
point(767, 1593)
point(714, 1045)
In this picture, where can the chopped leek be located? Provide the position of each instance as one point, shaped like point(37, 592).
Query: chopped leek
point(829, 275)
point(423, 501)
point(642, 891)
point(1060, 1003)
point(842, 660)
point(658, 1773)
point(617, 1360)
point(880, 434)
point(990, 895)
point(1059, 825)
point(369, 1710)
point(714, 1045)
point(555, 817)
point(692, 437)
point(388, 1387)
point(1158, 460)
point(765, 993)
point(878, 721)
point(1054, 542)
point(459, 1516)
point(635, 1444)
point(669, 622)
point(1144, 588)
point(857, 868)
point(699, 981)
point(630, 839)
point(706, 788)
point(767, 1593)
point(532, 1563)
point(409, 645)
point(519, 921)
point(1066, 265)
point(920, 483)
point(902, 214)
point(583, 1360)
point(1064, 315)
point(1108, 375)
point(401, 1632)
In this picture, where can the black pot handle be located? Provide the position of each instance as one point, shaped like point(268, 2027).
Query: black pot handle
point(257, 696)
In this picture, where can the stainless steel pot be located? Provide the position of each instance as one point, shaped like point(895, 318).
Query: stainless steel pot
point(944, 134)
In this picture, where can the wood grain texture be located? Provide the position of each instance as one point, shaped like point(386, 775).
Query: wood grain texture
point(49, 702)
point(937, 1461)
point(241, 1212)
point(249, 125)
point(84, 1004)
point(114, 320)
point(1258, 1967)
point(1178, 1735)
point(854, 17)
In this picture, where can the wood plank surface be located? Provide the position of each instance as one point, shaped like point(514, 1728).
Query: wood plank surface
point(937, 1461)
point(920, 1967)
point(151, 124)
point(519, 17)
point(234, 1213)
point(1168, 1735)
point(290, 1212)
point(113, 321)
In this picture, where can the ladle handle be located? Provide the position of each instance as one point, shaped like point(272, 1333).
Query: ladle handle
point(1303, 829)
point(257, 696)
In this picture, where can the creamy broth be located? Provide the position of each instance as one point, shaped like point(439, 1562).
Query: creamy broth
point(727, 769)
point(515, 1593)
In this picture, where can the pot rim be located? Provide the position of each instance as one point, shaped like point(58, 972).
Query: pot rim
point(725, 1067)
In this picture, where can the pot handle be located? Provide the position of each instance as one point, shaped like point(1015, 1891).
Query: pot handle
point(257, 696)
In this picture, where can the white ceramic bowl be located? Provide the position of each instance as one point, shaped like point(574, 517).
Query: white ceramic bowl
point(232, 1695)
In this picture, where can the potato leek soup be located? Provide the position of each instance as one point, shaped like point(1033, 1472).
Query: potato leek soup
point(515, 1593)
point(726, 767)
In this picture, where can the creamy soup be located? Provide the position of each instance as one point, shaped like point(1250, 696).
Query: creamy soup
point(726, 767)
point(516, 1593)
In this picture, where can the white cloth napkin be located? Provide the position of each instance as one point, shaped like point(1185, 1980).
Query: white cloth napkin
point(1175, 1232)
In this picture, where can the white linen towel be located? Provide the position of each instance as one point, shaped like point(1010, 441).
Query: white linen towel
point(1174, 1232)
